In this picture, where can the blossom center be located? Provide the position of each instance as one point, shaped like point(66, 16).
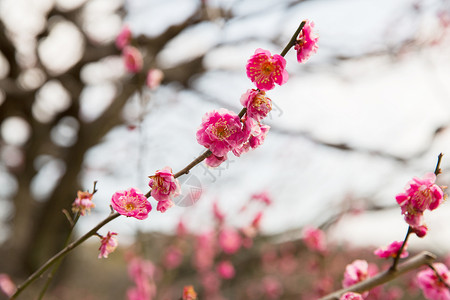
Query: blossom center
point(267, 68)
point(221, 130)
point(130, 206)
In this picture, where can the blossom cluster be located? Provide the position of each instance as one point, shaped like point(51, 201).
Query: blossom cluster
point(421, 194)
point(223, 131)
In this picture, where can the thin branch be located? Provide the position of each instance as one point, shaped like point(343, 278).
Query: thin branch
point(62, 253)
point(423, 258)
point(293, 39)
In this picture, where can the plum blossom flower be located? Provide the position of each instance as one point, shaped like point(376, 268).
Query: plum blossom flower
point(83, 203)
point(7, 286)
point(257, 134)
point(355, 272)
point(108, 244)
point(164, 186)
point(189, 293)
point(351, 296)
point(226, 269)
point(123, 38)
point(391, 250)
point(219, 216)
point(221, 131)
point(131, 203)
point(132, 58)
point(432, 287)
point(306, 44)
point(163, 206)
point(421, 194)
point(257, 104)
point(230, 240)
point(314, 239)
point(264, 70)
point(154, 78)
point(215, 161)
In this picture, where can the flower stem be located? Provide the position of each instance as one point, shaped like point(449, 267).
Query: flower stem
point(293, 39)
point(437, 170)
point(63, 253)
point(397, 258)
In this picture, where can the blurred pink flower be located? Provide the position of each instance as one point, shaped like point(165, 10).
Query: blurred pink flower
point(7, 286)
point(230, 240)
point(164, 185)
point(204, 251)
point(219, 216)
point(173, 257)
point(226, 269)
point(351, 296)
point(263, 196)
point(133, 59)
point(221, 131)
point(83, 203)
point(272, 287)
point(391, 250)
point(154, 78)
point(131, 203)
point(257, 104)
point(433, 288)
point(142, 272)
point(215, 161)
point(314, 239)
point(355, 272)
point(181, 229)
point(108, 244)
point(306, 42)
point(123, 38)
point(264, 70)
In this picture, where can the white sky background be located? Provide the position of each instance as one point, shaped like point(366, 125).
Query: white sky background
point(374, 104)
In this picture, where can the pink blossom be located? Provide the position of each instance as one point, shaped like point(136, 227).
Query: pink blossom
point(131, 203)
point(432, 287)
point(355, 272)
point(272, 287)
point(257, 104)
point(83, 203)
point(218, 214)
point(421, 230)
point(314, 239)
point(351, 296)
point(421, 194)
point(163, 206)
point(230, 240)
point(181, 229)
point(256, 132)
point(189, 293)
point(108, 244)
point(132, 59)
point(264, 70)
point(221, 131)
point(306, 42)
point(391, 250)
point(215, 161)
point(142, 272)
point(154, 78)
point(226, 269)
point(123, 38)
point(173, 257)
point(204, 251)
point(7, 286)
point(263, 196)
point(164, 185)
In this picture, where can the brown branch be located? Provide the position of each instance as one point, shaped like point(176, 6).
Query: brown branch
point(423, 258)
